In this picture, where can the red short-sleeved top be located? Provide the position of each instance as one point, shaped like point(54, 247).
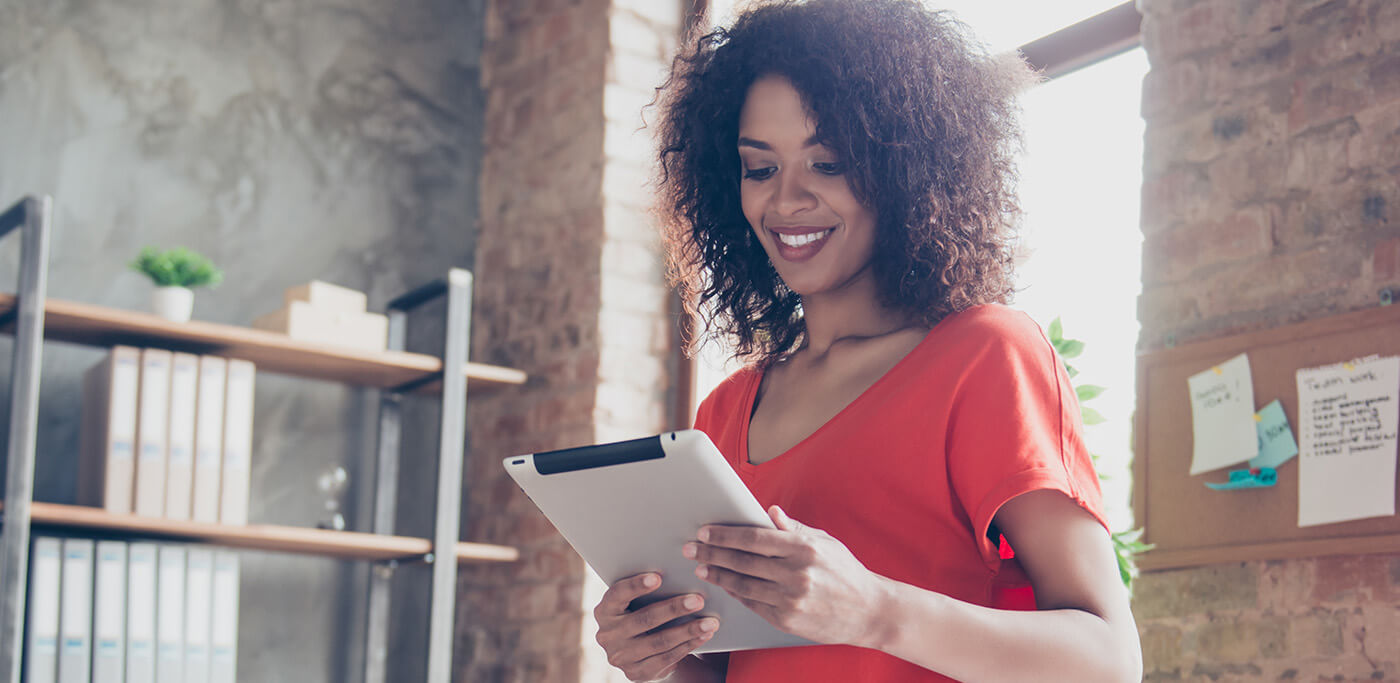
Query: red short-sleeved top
point(911, 473)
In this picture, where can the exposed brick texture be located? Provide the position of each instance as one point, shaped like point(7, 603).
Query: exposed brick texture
point(1271, 177)
point(1332, 618)
point(570, 289)
point(1271, 166)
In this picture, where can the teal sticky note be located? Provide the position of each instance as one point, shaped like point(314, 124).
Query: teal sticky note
point(1262, 477)
point(1276, 444)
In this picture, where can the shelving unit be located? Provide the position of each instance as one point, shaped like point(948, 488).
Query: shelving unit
point(31, 317)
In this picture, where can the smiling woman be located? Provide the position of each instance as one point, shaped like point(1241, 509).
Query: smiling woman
point(794, 193)
point(838, 180)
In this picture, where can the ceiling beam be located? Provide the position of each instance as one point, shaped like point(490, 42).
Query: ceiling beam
point(1076, 46)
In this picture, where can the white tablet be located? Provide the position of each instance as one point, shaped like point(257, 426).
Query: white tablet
point(628, 507)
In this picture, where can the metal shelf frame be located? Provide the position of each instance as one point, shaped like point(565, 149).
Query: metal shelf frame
point(442, 597)
point(31, 217)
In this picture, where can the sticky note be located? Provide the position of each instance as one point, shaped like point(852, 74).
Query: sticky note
point(1261, 477)
point(1276, 444)
point(1222, 416)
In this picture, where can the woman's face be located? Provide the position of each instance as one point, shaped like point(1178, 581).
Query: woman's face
point(796, 196)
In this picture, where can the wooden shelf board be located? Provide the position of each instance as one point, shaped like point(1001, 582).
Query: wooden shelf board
point(1154, 560)
point(95, 325)
point(342, 544)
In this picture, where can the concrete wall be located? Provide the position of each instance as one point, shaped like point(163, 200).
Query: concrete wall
point(288, 141)
point(1271, 187)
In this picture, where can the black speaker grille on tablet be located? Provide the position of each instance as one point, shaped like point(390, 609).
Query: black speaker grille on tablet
point(602, 455)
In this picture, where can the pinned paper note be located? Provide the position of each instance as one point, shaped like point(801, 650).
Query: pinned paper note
point(1222, 416)
point(1276, 444)
point(1347, 434)
point(1259, 477)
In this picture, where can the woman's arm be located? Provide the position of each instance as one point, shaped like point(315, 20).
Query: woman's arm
point(1082, 631)
point(807, 583)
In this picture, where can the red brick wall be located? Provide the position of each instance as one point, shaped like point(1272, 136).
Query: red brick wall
point(1271, 195)
point(569, 288)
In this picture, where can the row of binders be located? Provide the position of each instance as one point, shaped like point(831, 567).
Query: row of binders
point(118, 612)
point(167, 434)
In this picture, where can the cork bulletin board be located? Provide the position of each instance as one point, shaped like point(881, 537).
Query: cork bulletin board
point(1192, 525)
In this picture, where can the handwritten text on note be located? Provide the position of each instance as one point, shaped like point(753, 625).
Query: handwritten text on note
point(1222, 416)
point(1347, 417)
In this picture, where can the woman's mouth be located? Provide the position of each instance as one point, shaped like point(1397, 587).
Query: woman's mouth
point(800, 245)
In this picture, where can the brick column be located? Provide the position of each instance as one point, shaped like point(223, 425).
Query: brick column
point(1270, 196)
point(569, 288)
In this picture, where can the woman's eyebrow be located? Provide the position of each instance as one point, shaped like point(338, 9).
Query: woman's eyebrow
point(759, 144)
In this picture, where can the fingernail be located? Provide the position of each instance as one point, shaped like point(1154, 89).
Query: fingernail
point(651, 581)
point(704, 535)
point(689, 550)
point(691, 602)
point(702, 571)
point(708, 625)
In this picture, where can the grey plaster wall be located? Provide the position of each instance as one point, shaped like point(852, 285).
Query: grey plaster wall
point(288, 140)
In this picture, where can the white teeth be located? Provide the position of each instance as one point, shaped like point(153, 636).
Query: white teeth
point(800, 240)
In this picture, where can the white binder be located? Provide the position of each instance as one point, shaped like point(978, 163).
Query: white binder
point(75, 612)
point(141, 613)
point(223, 632)
point(238, 442)
point(107, 466)
point(109, 614)
point(198, 599)
point(179, 473)
point(209, 438)
point(170, 615)
point(151, 433)
point(41, 631)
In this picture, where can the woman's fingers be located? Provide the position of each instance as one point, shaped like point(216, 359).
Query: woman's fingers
point(644, 657)
point(770, 542)
point(640, 642)
point(744, 586)
point(743, 562)
point(658, 614)
point(621, 594)
point(663, 664)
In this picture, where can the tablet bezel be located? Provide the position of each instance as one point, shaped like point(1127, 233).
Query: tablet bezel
point(661, 489)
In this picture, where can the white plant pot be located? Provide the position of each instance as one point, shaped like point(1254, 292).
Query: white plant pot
point(173, 303)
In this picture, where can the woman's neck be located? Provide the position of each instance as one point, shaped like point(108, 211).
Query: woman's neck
point(850, 313)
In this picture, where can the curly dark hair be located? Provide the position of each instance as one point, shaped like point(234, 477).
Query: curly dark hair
point(925, 120)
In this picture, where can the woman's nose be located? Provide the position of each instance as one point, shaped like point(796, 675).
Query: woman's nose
point(794, 194)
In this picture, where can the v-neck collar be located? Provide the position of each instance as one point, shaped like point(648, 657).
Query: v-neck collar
point(756, 380)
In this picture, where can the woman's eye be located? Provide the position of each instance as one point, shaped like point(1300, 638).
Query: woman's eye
point(758, 173)
point(829, 168)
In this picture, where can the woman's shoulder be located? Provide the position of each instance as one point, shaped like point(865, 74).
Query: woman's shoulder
point(996, 324)
point(731, 391)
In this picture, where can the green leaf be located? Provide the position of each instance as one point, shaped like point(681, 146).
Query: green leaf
point(1069, 369)
point(176, 267)
point(1088, 391)
point(1056, 331)
point(1126, 547)
point(1091, 416)
point(1070, 348)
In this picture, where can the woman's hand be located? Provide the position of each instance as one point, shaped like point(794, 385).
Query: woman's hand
point(632, 639)
point(798, 578)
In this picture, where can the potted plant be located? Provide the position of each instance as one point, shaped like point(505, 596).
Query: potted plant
point(175, 273)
